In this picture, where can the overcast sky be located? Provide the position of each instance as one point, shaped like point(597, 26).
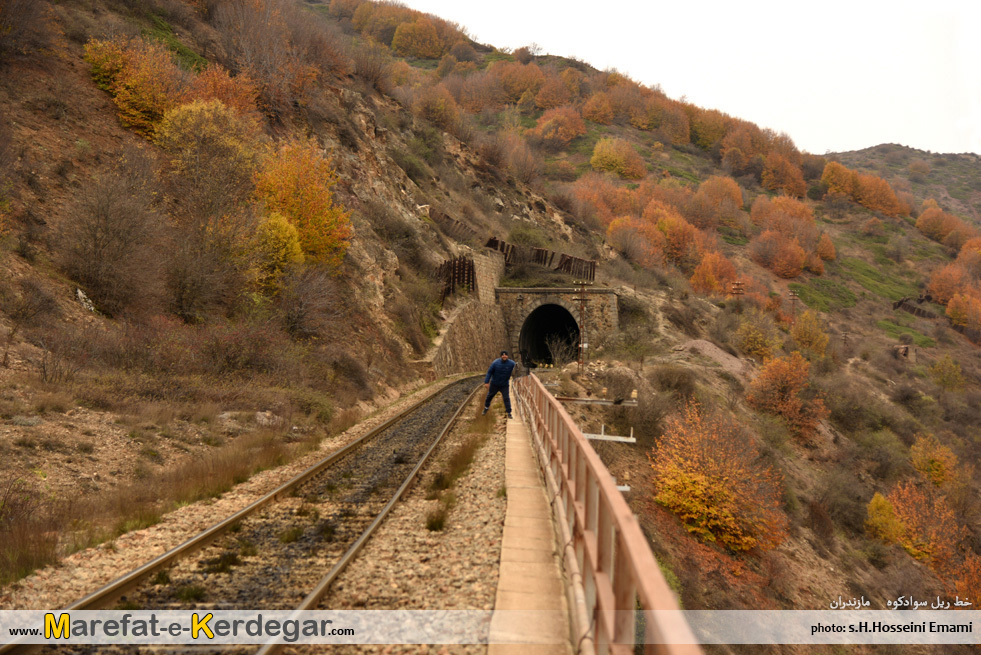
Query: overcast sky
point(835, 75)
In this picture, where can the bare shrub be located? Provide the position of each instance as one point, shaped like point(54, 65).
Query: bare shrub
point(677, 380)
point(26, 539)
point(373, 64)
point(308, 301)
point(25, 310)
point(110, 238)
point(563, 349)
point(259, 39)
point(64, 354)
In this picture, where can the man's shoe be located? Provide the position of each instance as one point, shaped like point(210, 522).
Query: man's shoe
point(484, 412)
point(509, 415)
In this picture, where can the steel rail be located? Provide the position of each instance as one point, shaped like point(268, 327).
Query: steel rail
point(314, 597)
point(111, 592)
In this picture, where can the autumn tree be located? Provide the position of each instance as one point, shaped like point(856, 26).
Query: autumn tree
point(436, 105)
point(935, 462)
point(708, 127)
point(618, 156)
point(214, 83)
point(297, 181)
point(418, 39)
point(683, 243)
point(708, 473)
point(875, 193)
point(638, 240)
point(517, 78)
point(598, 109)
point(142, 78)
point(882, 522)
point(719, 198)
point(840, 179)
point(964, 309)
point(553, 93)
point(809, 334)
point(946, 282)
point(781, 388)
point(714, 275)
point(277, 248)
point(482, 90)
point(929, 527)
point(946, 373)
point(779, 174)
point(826, 248)
point(212, 153)
point(558, 127)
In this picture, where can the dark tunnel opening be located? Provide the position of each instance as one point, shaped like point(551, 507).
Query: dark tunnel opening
point(549, 333)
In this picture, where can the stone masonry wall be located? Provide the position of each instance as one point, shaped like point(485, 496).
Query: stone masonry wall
point(476, 337)
point(489, 267)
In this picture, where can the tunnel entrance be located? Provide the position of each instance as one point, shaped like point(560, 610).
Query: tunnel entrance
point(550, 335)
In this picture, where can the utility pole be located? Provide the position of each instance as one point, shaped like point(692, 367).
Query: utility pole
point(793, 306)
point(583, 343)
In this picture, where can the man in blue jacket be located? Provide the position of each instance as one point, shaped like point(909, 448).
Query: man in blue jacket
point(497, 378)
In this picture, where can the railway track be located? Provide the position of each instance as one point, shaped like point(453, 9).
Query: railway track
point(273, 554)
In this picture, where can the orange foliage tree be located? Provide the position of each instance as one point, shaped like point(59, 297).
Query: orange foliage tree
point(517, 78)
point(553, 93)
point(781, 388)
point(964, 309)
point(604, 198)
point(875, 193)
point(708, 473)
point(840, 179)
point(637, 240)
point(418, 39)
point(720, 199)
point(826, 248)
point(714, 275)
point(929, 528)
point(436, 105)
point(296, 181)
point(238, 93)
point(684, 244)
point(782, 255)
point(946, 282)
point(558, 127)
point(598, 109)
point(708, 126)
point(780, 174)
point(142, 77)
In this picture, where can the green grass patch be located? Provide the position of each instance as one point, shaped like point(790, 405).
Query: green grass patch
point(824, 295)
point(894, 330)
point(877, 282)
point(733, 236)
point(162, 31)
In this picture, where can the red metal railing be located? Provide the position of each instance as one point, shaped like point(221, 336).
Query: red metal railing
point(606, 554)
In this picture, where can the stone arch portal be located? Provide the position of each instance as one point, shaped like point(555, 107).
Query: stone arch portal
point(547, 325)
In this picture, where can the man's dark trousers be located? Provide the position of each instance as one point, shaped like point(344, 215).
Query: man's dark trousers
point(505, 393)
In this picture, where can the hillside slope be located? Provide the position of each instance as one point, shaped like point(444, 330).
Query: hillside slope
point(158, 156)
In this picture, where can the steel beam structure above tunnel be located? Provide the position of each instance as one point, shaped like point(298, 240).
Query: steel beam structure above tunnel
point(539, 317)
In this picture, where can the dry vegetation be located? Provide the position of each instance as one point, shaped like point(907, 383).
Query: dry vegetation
point(237, 188)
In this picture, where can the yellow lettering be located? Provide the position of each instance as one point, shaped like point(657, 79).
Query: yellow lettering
point(59, 629)
point(198, 624)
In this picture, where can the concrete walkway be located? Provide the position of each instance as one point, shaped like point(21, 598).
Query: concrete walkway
point(530, 571)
